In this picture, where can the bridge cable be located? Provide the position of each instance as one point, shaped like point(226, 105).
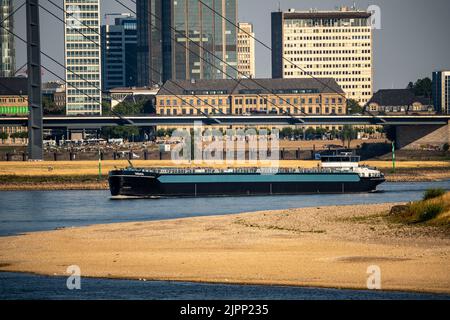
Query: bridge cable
point(223, 61)
point(135, 68)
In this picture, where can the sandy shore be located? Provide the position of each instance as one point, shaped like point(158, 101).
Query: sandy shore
point(320, 247)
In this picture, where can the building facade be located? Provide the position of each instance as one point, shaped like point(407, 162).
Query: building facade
point(7, 51)
point(441, 91)
point(293, 96)
point(13, 96)
point(399, 102)
point(119, 60)
point(185, 40)
point(13, 102)
point(83, 57)
point(55, 92)
point(321, 44)
point(246, 51)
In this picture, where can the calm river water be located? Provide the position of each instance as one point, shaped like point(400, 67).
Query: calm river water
point(27, 211)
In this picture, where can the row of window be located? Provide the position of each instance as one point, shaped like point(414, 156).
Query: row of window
point(295, 111)
point(12, 100)
point(249, 101)
point(316, 52)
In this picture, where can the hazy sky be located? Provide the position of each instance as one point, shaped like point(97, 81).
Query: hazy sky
point(413, 41)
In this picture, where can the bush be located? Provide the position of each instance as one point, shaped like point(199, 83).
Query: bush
point(446, 147)
point(433, 193)
point(425, 211)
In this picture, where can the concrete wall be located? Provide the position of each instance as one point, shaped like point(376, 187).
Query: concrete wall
point(422, 136)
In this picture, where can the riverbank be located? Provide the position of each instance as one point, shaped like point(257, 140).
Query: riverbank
point(84, 175)
point(319, 247)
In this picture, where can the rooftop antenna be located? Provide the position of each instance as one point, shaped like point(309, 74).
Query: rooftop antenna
point(279, 6)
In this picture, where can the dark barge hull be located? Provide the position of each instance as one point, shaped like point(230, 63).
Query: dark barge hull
point(124, 184)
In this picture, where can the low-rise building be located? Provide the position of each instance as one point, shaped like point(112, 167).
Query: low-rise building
point(13, 96)
point(399, 102)
point(55, 91)
point(13, 102)
point(251, 96)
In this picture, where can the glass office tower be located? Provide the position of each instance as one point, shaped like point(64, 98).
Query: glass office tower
point(7, 51)
point(184, 39)
point(119, 64)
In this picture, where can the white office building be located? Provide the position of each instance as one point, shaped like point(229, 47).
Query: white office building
point(83, 57)
point(325, 44)
point(246, 50)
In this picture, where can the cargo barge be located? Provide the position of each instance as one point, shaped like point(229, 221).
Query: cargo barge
point(336, 174)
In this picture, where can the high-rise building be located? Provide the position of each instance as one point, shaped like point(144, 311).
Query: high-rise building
point(7, 51)
point(83, 57)
point(185, 40)
point(246, 50)
point(119, 61)
point(323, 44)
point(441, 91)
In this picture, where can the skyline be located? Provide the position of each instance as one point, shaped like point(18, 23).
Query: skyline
point(399, 57)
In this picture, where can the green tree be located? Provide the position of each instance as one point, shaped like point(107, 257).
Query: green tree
point(3, 136)
point(422, 87)
point(120, 132)
point(348, 134)
point(298, 132)
point(321, 131)
point(130, 108)
point(310, 132)
point(354, 107)
point(50, 107)
point(161, 133)
point(106, 108)
point(286, 132)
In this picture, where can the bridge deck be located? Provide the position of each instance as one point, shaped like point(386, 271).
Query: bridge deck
point(150, 121)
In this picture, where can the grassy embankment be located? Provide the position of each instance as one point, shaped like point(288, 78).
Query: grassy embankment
point(433, 210)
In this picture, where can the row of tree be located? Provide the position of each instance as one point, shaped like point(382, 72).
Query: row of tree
point(15, 135)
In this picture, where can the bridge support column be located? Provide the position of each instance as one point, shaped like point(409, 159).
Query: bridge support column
point(415, 137)
point(35, 126)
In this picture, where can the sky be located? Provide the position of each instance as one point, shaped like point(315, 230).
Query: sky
point(412, 43)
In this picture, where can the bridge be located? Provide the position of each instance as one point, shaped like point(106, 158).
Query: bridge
point(411, 131)
point(97, 122)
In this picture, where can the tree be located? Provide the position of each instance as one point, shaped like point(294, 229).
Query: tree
point(390, 132)
point(286, 132)
point(50, 107)
point(130, 108)
point(422, 87)
point(348, 134)
point(3, 136)
point(123, 132)
point(106, 108)
point(446, 147)
point(310, 132)
point(353, 107)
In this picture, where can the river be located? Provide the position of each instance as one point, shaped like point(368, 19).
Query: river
point(28, 211)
